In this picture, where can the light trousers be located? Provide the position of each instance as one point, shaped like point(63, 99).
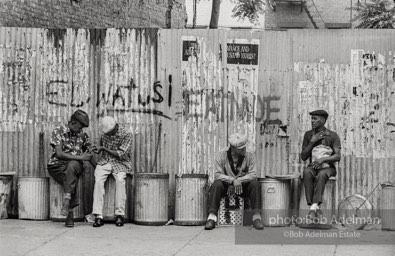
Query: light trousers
point(101, 174)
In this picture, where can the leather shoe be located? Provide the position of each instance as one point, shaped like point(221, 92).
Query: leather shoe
point(98, 222)
point(257, 224)
point(210, 224)
point(119, 221)
point(65, 208)
point(311, 215)
point(69, 220)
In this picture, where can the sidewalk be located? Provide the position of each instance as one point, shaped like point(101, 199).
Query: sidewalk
point(46, 238)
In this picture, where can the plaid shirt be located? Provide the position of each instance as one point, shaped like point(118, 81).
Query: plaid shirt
point(122, 143)
point(72, 143)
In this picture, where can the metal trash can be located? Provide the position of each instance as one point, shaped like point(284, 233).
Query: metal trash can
point(191, 199)
point(5, 190)
point(276, 199)
point(56, 196)
point(151, 198)
point(388, 208)
point(33, 198)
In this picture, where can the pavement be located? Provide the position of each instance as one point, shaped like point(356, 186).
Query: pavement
point(41, 238)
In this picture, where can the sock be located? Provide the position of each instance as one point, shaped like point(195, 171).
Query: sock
point(256, 216)
point(314, 207)
point(99, 216)
point(67, 196)
point(212, 216)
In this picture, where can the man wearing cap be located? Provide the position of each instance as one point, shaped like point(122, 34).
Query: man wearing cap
point(322, 147)
point(115, 146)
point(235, 173)
point(70, 148)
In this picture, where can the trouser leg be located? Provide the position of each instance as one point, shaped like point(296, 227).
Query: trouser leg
point(217, 191)
point(321, 179)
point(308, 182)
point(253, 190)
point(101, 174)
point(120, 193)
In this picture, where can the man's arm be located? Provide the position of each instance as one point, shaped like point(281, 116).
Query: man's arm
point(219, 173)
point(66, 156)
point(251, 174)
point(308, 145)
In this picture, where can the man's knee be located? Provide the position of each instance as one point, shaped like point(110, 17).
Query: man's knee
point(323, 176)
point(308, 173)
point(217, 185)
point(74, 167)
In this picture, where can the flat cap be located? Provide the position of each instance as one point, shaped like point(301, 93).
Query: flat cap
point(107, 124)
point(320, 112)
point(238, 140)
point(82, 117)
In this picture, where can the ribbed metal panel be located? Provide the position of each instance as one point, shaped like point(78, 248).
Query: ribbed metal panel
point(151, 198)
point(276, 199)
point(388, 208)
point(56, 196)
point(191, 199)
point(351, 75)
point(33, 198)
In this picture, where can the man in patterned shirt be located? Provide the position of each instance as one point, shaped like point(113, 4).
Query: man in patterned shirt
point(70, 147)
point(115, 146)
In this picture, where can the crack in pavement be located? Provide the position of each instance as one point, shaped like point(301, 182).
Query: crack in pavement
point(48, 241)
point(187, 243)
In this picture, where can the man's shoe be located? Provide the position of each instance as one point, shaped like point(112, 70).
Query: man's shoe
point(69, 220)
point(257, 224)
point(98, 222)
point(119, 221)
point(65, 208)
point(210, 224)
point(311, 215)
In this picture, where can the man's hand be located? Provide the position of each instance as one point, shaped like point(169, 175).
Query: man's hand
point(97, 149)
point(231, 190)
point(316, 164)
point(86, 156)
point(317, 137)
point(238, 187)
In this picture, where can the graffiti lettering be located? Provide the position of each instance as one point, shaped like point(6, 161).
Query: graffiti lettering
point(115, 98)
point(215, 101)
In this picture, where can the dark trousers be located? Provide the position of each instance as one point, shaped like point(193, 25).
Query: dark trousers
point(67, 174)
point(219, 189)
point(314, 183)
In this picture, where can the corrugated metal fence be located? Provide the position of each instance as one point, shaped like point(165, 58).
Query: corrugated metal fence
point(182, 92)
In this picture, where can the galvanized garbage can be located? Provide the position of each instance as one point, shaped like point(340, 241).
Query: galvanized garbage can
point(191, 199)
point(33, 198)
point(388, 208)
point(109, 199)
point(151, 198)
point(276, 199)
point(5, 190)
point(56, 196)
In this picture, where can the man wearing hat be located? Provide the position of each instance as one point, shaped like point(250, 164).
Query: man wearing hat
point(115, 146)
point(322, 146)
point(235, 173)
point(70, 148)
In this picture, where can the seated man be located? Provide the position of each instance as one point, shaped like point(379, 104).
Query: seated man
point(115, 145)
point(322, 147)
point(70, 147)
point(235, 173)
